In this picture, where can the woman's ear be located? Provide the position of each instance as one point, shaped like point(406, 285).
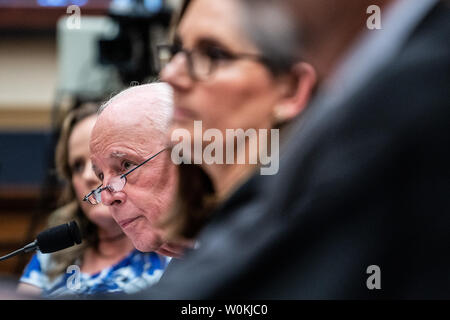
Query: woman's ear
point(296, 92)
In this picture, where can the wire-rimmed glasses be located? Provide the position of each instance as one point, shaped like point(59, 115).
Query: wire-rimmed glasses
point(116, 184)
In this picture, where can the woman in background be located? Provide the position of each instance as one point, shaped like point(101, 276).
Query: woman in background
point(228, 81)
point(106, 261)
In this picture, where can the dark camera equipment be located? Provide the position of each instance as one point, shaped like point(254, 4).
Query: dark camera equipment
point(142, 24)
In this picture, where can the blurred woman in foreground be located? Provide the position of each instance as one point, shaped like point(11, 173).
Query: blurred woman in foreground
point(225, 83)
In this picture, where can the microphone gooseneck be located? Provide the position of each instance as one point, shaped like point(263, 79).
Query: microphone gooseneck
point(51, 240)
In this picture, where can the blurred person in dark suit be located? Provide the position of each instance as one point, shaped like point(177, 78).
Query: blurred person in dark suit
point(359, 208)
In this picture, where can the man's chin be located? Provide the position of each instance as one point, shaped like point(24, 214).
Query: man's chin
point(146, 245)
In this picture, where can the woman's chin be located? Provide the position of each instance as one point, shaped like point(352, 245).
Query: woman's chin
point(104, 221)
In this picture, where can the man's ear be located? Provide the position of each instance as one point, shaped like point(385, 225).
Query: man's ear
point(296, 92)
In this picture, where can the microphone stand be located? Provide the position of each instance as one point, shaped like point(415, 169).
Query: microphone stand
point(28, 248)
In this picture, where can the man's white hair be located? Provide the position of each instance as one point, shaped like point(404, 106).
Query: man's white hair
point(157, 95)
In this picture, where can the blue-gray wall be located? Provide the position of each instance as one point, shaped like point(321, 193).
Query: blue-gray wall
point(24, 157)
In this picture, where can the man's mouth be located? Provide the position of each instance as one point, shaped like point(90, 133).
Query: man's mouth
point(124, 223)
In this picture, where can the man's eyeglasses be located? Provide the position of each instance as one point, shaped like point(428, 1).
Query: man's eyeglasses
point(116, 184)
point(202, 61)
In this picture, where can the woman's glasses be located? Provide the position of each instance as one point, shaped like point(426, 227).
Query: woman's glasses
point(202, 61)
point(116, 184)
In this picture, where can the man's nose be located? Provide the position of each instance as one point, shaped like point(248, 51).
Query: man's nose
point(109, 198)
point(176, 73)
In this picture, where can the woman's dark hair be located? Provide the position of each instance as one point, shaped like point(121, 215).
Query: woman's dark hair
point(70, 208)
point(184, 7)
point(192, 205)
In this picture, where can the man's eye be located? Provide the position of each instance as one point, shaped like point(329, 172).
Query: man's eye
point(127, 165)
point(100, 176)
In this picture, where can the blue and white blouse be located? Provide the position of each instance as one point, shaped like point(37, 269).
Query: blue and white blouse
point(135, 272)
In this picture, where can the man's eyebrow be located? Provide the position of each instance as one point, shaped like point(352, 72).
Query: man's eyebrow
point(117, 154)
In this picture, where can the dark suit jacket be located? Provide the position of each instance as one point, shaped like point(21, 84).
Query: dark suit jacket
point(365, 183)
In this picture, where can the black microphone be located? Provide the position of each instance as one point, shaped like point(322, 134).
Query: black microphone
point(51, 240)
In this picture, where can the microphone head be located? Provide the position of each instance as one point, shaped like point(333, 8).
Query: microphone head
point(59, 237)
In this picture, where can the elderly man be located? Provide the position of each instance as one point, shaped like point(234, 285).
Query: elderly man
point(129, 156)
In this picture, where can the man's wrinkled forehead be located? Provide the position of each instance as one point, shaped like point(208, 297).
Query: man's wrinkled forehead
point(125, 126)
point(111, 149)
point(108, 142)
point(112, 129)
point(120, 142)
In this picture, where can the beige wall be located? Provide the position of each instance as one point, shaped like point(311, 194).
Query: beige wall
point(28, 78)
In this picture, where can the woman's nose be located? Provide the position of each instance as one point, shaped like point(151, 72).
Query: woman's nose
point(89, 174)
point(176, 73)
